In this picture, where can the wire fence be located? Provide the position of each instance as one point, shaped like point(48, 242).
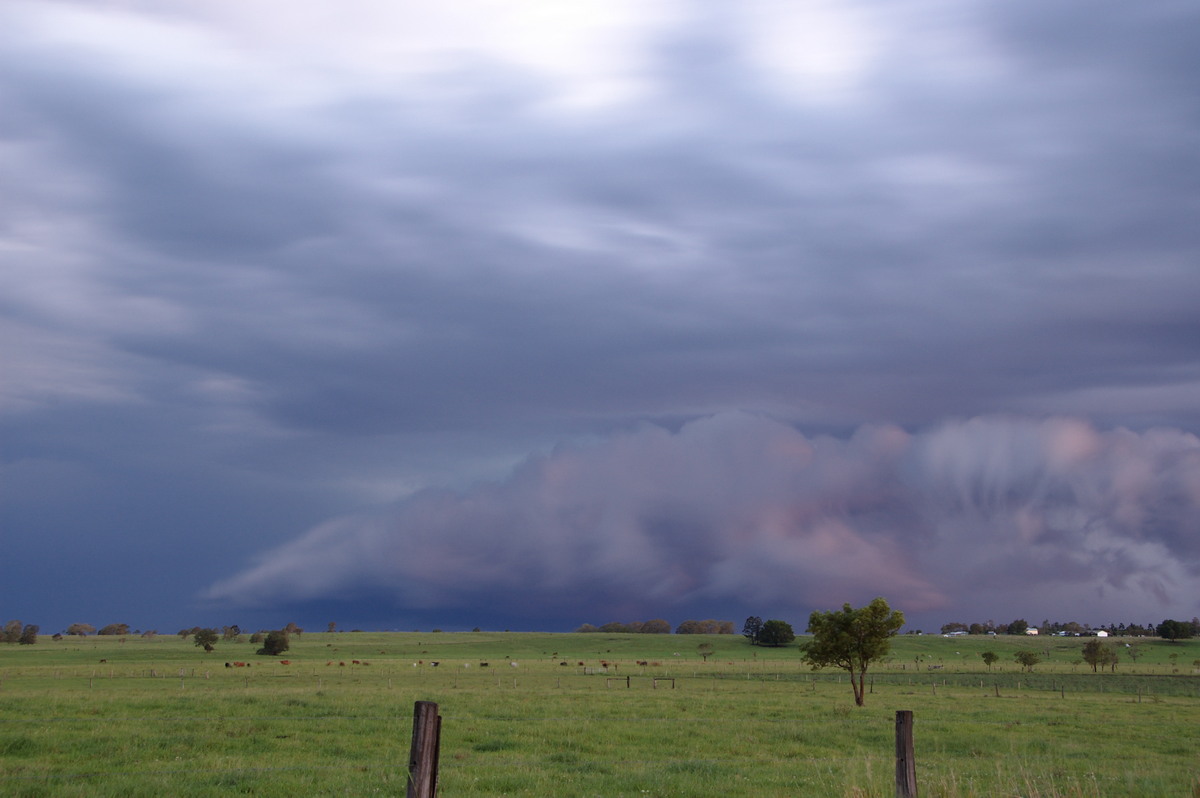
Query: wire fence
point(518, 739)
point(519, 745)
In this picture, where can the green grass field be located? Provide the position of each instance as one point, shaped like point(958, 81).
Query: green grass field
point(100, 717)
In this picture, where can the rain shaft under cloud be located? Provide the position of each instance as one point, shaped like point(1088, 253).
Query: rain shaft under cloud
point(741, 511)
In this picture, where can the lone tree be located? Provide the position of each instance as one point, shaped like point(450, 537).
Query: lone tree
point(275, 643)
point(752, 629)
point(776, 633)
point(852, 639)
point(1098, 655)
point(1027, 659)
point(205, 638)
point(1174, 630)
point(989, 658)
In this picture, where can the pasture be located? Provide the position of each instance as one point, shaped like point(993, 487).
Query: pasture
point(147, 717)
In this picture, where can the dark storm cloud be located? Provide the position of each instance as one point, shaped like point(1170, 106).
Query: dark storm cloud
point(362, 260)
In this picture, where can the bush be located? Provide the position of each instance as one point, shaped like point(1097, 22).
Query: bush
point(205, 638)
point(275, 643)
point(776, 633)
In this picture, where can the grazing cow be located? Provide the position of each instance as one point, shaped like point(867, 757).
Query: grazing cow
point(563, 664)
point(483, 665)
point(435, 663)
point(513, 664)
point(355, 662)
point(642, 662)
point(285, 662)
point(104, 660)
point(227, 665)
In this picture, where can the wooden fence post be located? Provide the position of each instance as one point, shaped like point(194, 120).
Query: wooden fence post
point(423, 757)
point(906, 767)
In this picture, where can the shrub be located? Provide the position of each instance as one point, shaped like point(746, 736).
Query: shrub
point(275, 643)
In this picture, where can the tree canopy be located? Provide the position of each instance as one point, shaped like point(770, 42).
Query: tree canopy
point(852, 639)
point(706, 627)
point(276, 642)
point(206, 638)
point(752, 629)
point(1096, 654)
point(776, 633)
point(1173, 630)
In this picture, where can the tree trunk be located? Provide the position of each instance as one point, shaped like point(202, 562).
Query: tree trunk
point(856, 681)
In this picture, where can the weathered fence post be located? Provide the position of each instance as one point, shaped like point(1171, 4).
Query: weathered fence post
point(906, 767)
point(423, 757)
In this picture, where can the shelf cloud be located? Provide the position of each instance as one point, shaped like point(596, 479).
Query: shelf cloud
point(741, 510)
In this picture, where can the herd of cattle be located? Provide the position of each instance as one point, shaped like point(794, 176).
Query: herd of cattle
point(435, 663)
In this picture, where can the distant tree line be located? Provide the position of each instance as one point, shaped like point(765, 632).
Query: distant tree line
point(767, 633)
point(655, 627)
point(272, 641)
point(658, 626)
point(1016, 627)
point(1074, 629)
point(706, 627)
point(203, 637)
point(17, 632)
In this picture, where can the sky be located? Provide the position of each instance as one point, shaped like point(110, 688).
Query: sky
point(524, 315)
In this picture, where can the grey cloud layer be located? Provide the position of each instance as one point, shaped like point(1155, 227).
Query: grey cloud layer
point(738, 510)
point(927, 232)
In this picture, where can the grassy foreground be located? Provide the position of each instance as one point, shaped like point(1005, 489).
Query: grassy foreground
point(100, 717)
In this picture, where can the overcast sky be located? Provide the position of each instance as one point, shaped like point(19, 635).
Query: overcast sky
point(531, 314)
